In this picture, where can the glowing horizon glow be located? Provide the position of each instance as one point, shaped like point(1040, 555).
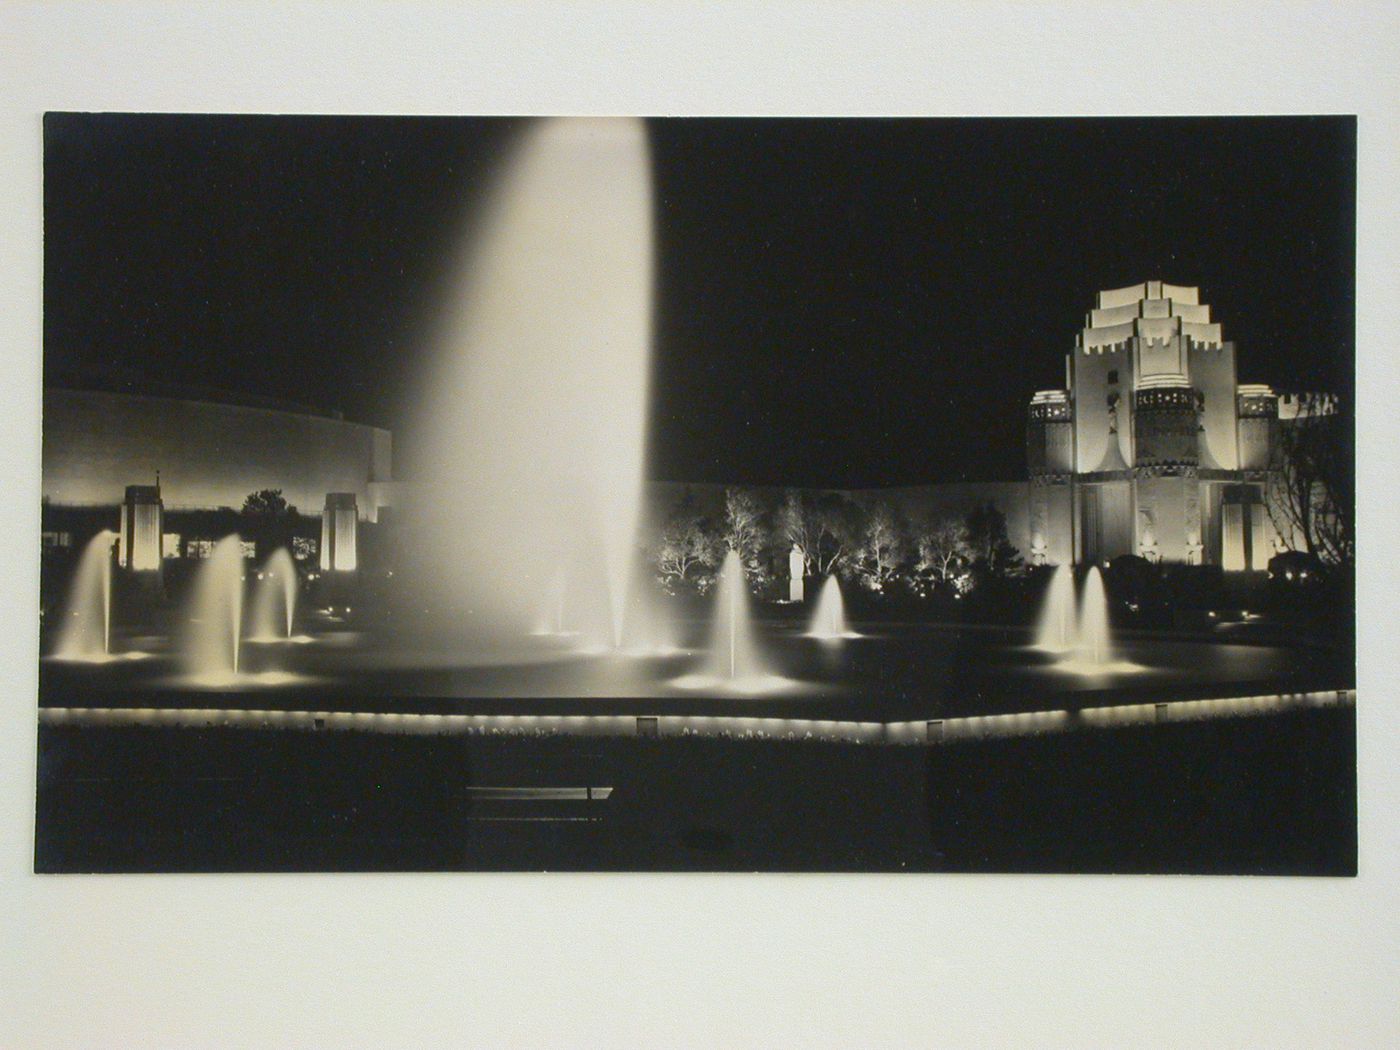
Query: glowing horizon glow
point(829, 620)
point(87, 615)
point(241, 680)
point(1095, 669)
point(103, 658)
point(532, 427)
point(752, 685)
point(296, 639)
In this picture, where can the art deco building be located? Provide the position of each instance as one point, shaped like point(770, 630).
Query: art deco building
point(339, 524)
point(139, 535)
point(208, 452)
point(1154, 448)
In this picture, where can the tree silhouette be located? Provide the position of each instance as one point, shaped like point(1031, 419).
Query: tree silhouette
point(268, 520)
point(1312, 483)
point(687, 550)
point(943, 549)
point(993, 555)
point(744, 531)
point(881, 551)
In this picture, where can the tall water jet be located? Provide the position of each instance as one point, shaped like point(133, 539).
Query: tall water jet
point(87, 617)
point(1094, 645)
point(210, 649)
point(733, 663)
point(1057, 631)
point(274, 599)
point(829, 620)
point(531, 426)
point(733, 651)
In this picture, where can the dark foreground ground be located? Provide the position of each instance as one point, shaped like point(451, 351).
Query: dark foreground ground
point(1273, 794)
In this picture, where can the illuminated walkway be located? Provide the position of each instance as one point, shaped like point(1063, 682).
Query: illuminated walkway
point(907, 732)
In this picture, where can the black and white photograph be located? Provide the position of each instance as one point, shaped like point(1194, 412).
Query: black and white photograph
point(633, 524)
point(969, 495)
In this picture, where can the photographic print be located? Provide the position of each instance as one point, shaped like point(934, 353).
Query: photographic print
point(697, 494)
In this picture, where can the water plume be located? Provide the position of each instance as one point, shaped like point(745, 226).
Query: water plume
point(1094, 645)
point(210, 650)
point(532, 424)
point(733, 662)
point(273, 609)
point(1093, 653)
point(1058, 629)
point(86, 634)
point(829, 620)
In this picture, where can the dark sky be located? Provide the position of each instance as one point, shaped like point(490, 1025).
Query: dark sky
point(841, 302)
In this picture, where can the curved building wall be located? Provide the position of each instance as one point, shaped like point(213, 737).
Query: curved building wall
point(208, 454)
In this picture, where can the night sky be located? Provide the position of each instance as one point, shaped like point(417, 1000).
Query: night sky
point(842, 303)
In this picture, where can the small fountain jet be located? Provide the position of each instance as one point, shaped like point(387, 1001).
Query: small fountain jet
point(1085, 643)
point(1058, 629)
point(273, 611)
point(829, 621)
point(86, 634)
point(734, 663)
point(211, 647)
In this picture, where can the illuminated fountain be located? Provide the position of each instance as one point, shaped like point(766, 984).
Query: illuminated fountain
point(1093, 652)
point(1094, 645)
point(274, 600)
point(829, 621)
point(532, 425)
point(1057, 631)
point(86, 634)
point(211, 648)
point(578, 613)
point(733, 663)
point(577, 608)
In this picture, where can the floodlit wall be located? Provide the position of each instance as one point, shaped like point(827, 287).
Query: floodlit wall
point(1213, 374)
point(1094, 376)
point(208, 454)
point(1051, 522)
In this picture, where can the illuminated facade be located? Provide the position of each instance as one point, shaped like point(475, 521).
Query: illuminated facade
point(1153, 448)
point(139, 538)
point(339, 521)
point(209, 453)
point(207, 457)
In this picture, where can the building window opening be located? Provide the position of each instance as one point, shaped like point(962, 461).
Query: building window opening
point(1113, 376)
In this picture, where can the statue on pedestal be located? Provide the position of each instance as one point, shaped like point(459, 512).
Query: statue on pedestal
point(797, 567)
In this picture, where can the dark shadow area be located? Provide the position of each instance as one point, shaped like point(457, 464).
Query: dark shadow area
point(1251, 795)
point(1272, 795)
